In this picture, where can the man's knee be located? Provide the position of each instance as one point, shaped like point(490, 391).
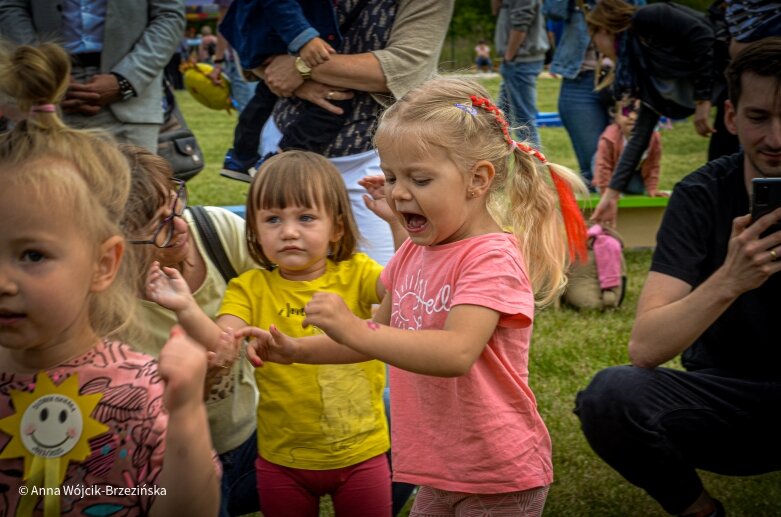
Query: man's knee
point(611, 396)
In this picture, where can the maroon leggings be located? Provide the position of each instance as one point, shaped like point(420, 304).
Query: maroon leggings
point(360, 490)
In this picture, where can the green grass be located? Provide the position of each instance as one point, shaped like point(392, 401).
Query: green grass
point(568, 347)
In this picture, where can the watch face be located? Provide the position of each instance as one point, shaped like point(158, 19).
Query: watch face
point(302, 67)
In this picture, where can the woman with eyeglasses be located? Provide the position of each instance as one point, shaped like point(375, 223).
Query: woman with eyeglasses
point(162, 229)
point(663, 55)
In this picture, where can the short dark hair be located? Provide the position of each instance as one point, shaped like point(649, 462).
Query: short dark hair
point(763, 57)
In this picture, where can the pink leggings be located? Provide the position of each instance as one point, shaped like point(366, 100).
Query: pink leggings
point(432, 502)
point(360, 490)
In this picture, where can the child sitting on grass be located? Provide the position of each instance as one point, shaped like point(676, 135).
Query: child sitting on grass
point(645, 179)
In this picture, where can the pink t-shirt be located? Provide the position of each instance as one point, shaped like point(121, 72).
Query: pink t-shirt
point(480, 432)
point(129, 455)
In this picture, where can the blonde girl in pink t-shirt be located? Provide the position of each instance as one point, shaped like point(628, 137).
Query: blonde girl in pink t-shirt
point(87, 425)
point(465, 425)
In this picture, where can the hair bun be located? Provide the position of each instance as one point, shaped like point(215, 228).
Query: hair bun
point(34, 75)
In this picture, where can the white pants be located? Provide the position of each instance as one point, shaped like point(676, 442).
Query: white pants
point(377, 238)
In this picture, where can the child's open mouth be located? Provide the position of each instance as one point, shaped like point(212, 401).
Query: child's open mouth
point(414, 222)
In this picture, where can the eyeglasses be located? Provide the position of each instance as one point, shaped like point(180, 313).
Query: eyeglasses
point(164, 232)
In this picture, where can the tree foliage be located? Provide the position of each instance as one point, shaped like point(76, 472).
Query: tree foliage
point(473, 19)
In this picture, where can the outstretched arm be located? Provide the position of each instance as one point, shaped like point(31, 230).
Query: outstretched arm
point(449, 352)
point(166, 287)
point(670, 315)
point(276, 347)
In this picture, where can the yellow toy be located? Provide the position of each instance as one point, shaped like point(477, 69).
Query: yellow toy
point(200, 86)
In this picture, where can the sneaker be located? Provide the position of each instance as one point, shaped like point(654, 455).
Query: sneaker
point(254, 169)
point(236, 169)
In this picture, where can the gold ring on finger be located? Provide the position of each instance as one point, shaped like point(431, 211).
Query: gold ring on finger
point(330, 95)
point(773, 255)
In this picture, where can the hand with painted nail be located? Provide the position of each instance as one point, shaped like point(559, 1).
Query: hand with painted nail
point(328, 312)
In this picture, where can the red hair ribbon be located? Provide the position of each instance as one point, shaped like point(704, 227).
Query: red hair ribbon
point(487, 105)
point(574, 224)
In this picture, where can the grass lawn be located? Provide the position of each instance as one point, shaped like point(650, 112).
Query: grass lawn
point(568, 347)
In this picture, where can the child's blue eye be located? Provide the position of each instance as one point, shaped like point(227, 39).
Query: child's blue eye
point(307, 218)
point(272, 219)
point(32, 256)
point(421, 182)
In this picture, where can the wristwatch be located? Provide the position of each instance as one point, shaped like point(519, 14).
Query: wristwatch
point(126, 90)
point(303, 69)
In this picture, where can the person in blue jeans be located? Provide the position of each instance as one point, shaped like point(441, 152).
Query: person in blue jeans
point(522, 40)
point(583, 111)
point(259, 29)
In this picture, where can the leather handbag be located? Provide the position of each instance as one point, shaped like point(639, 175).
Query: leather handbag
point(176, 142)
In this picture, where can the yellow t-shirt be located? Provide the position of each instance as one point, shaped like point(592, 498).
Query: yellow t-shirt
point(314, 417)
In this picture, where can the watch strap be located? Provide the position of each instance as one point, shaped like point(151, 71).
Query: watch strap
point(126, 89)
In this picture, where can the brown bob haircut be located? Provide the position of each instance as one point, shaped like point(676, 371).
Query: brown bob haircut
point(306, 179)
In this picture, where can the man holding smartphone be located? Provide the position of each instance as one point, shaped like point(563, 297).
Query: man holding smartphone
point(712, 296)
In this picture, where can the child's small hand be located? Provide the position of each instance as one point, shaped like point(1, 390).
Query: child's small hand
point(215, 76)
point(328, 312)
point(375, 199)
point(316, 52)
point(182, 365)
point(273, 346)
point(166, 287)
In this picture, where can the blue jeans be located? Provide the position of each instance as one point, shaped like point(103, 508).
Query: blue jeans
point(241, 90)
point(518, 97)
point(584, 117)
point(239, 493)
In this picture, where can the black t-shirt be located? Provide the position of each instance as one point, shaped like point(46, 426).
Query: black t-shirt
point(745, 341)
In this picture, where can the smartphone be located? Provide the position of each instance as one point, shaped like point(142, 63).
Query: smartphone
point(765, 197)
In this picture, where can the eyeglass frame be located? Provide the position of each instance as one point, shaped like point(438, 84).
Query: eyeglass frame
point(181, 195)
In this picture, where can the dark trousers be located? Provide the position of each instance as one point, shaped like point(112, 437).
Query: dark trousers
point(314, 129)
point(238, 492)
point(656, 426)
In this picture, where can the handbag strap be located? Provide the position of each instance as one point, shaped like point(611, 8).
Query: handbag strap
point(212, 242)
